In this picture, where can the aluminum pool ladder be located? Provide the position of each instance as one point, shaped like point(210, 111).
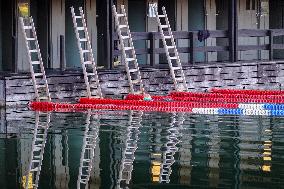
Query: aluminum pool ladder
point(35, 59)
point(169, 44)
point(87, 59)
point(126, 43)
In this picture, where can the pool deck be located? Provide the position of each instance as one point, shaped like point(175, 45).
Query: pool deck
point(68, 86)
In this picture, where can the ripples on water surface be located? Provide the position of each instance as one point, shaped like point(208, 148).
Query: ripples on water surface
point(142, 150)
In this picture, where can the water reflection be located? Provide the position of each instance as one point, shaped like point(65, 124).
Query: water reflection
point(128, 154)
point(31, 179)
point(135, 149)
point(88, 149)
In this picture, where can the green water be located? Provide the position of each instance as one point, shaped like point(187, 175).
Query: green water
point(146, 150)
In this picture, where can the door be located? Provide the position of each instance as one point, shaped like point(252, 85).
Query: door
point(71, 47)
point(196, 21)
point(137, 23)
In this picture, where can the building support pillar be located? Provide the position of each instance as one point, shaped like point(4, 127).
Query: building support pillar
point(233, 31)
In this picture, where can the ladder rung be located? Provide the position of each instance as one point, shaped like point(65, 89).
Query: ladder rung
point(91, 74)
point(124, 37)
point(164, 26)
point(30, 39)
point(176, 68)
point(35, 62)
point(170, 47)
point(88, 62)
point(40, 86)
point(161, 16)
point(130, 59)
point(85, 51)
point(28, 27)
point(80, 28)
point(77, 17)
point(128, 48)
point(173, 58)
point(38, 74)
point(122, 26)
point(83, 39)
point(136, 81)
point(33, 51)
point(179, 79)
point(133, 70)
point(120, 15)
point(43, 98)
point(168, 37)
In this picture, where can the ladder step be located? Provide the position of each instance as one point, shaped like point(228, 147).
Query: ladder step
point(133, 70)
point(78, 17)
point(128, 48)
point(38, 74)
point(28, 27)
point(173, 57)
point(80, 28)
point(179, 79)
point(170, 47)
point(43, 98)
point(168, 37)
point(33, 51)
point(30, 39)
point(161, 16)
point(164, 26)
point(41, 86)
point(88, 62)
point(85, 51)
point(91, 74)
point(122, 26)
point(124, 37)
point(130, 59)
point(83, 39)
point(136, 81)
point(176, 68)
point(35, 62)
point(120, 15)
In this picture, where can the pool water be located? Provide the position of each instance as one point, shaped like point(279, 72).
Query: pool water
point(132, 149)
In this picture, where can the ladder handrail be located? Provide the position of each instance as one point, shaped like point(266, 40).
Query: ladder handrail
point(166, 48)
point(131, 47)
point(90, 53)
point(31, 27)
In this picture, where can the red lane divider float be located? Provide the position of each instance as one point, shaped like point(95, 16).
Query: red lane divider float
point(157, 103)
point(250, 92)
point(60, 107)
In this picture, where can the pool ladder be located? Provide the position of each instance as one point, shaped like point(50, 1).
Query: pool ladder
point(168, 156)
point(35, 59)
point(173, 61)
point(128, 157)
point(88, 63)
point(38, 144)
point(126, 43)
point(88, 151)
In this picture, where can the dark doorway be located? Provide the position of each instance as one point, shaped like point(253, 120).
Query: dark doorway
point(7, 39)
point(40, 14)
point(196, 21)
point(137, 23)
point(71, 47)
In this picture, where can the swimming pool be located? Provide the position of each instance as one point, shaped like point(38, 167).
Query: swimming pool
point(135, 149)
